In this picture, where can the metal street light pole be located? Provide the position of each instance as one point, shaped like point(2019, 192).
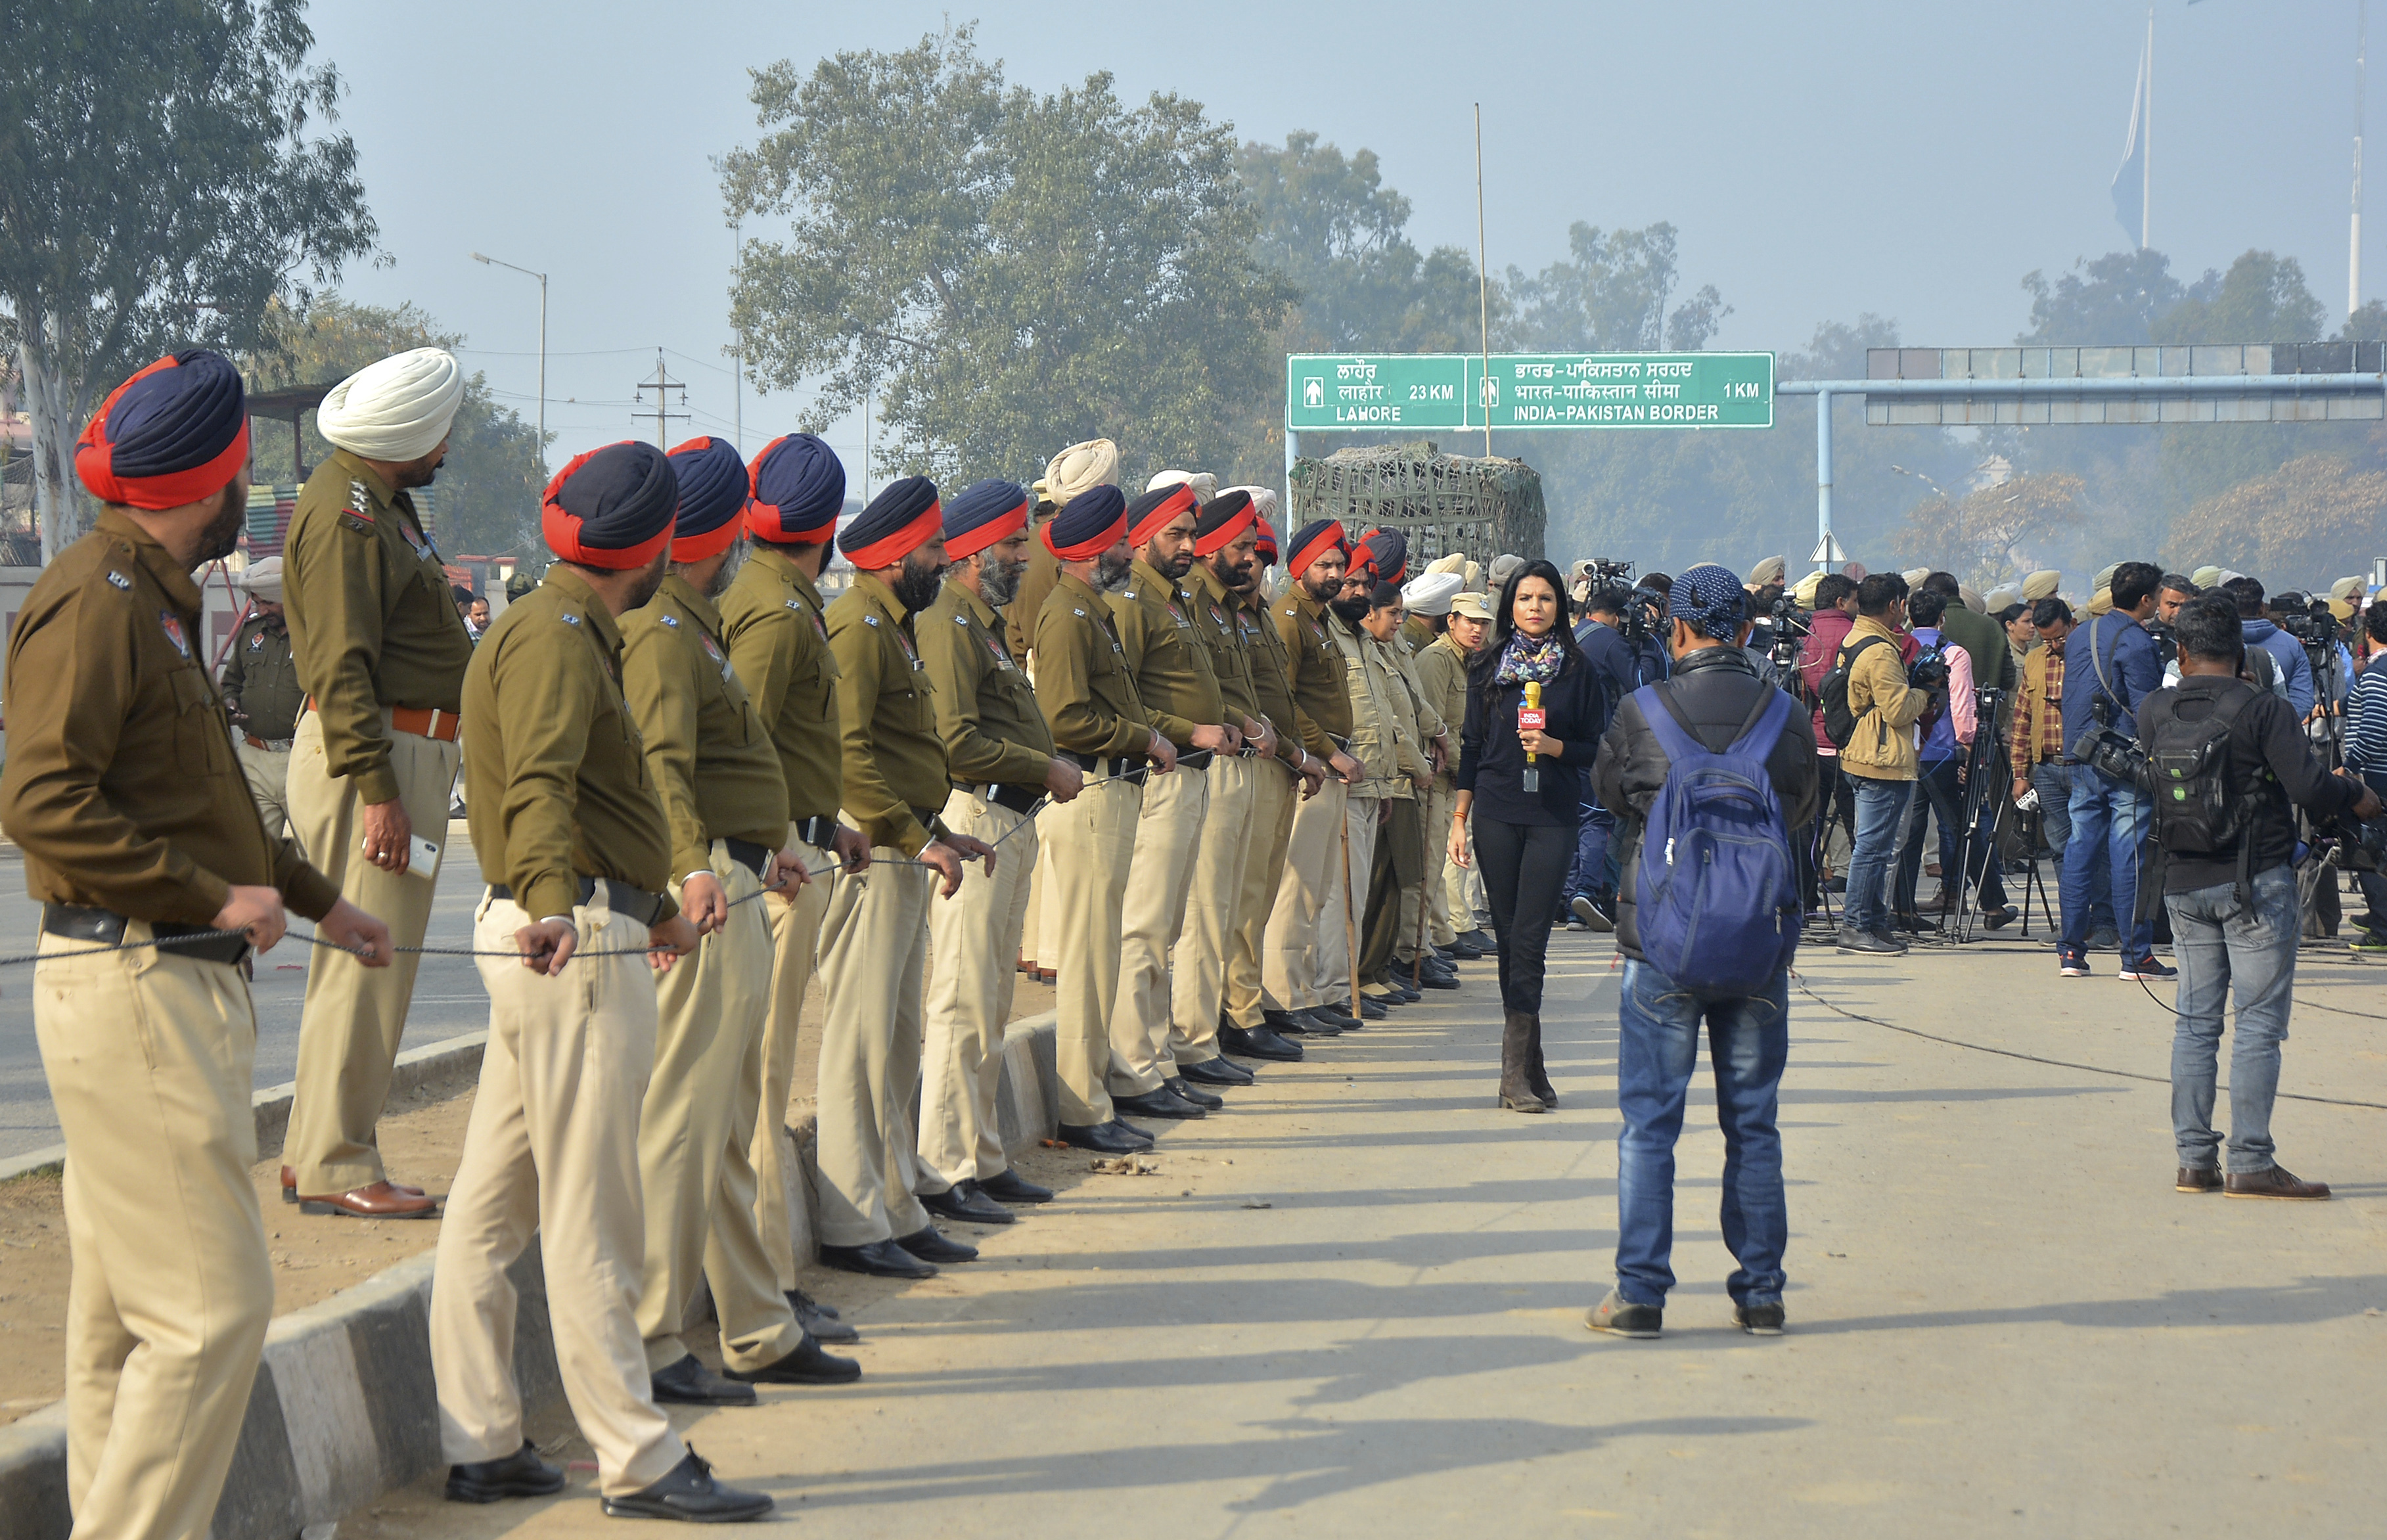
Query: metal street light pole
point(492, 262)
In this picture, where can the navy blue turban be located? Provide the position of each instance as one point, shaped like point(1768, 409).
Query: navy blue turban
point(712, 489)
point(985, 513)
point(612, 507)
point(1313, 540)
point(899, 521)
point(798, 488)
point(1090, 525)
point(174, 434)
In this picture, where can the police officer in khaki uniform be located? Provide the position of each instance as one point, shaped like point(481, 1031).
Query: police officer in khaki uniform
point(875, 935)
point(262, 693)
point(577, 853)
point(1440, 669)
point(121, 791)
point(382, 652)
point(1383, 740)
point(771, 621)
point(1309, 899)
point(999, 753)
point(1089, 699)
point(718, 778)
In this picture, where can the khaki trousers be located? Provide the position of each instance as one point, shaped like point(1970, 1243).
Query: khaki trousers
point(1469, 905)
point(1168, 834)
point(1198, 984)
point(873, 940)
point(696, 1133)
point(1313, 865)
point(1331, 964)
point(1434, 891)
point(268, 773)
point(150, 1059)
point(1031, 923)
point(974, 938)
point(1275, 790)
point(552, 1148)
point(795, 933)
point(354, 1015)
point(1089, 844)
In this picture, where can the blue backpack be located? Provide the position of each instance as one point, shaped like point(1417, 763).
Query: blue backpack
point(1714, 901)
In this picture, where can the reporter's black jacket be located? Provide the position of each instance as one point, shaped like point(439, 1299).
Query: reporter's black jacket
point(2273, 765)
point(1491, 760)
point(1717, 690)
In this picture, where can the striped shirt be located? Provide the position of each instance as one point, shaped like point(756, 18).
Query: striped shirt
point(2365, 708)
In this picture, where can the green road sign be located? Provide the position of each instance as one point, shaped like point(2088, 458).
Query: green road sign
point(1448, 392)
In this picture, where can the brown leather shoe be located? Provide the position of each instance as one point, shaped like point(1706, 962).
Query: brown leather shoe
point(381, 1201)
point(2276, 1182)
point(2197, 1179)
point(290, 1186)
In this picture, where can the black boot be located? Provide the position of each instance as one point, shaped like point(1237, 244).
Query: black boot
point(1537, 1074)
point(1516, 1056)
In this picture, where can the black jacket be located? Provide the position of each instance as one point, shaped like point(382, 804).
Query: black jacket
point(1492, 761)
point(1718, 690)
point(2273, 765)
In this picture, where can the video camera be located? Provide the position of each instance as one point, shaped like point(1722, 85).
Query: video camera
point(2112, 751)
point(2356, 845)
point(1634, 625)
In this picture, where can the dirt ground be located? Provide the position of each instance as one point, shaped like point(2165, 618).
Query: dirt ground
point(421, 1136)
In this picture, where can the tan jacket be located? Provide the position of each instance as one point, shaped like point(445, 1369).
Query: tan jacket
point(1384, 716)
point(1882, 747)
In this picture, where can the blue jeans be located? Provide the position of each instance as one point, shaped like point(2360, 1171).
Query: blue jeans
point(2221, 943)
point(1591, 876)
point(2111, 817)
point(2373, 885)
point(1881, 825)
point(2054, 784)
point(1748, 1042)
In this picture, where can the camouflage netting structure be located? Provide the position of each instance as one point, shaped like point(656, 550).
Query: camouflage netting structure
point(1442, 503)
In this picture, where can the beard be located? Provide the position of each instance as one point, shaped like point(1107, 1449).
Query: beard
point(222, 536)
point(1352, 610)
point(915, 589)
point(1112, 572)
point(1321, 590)
point(998, 581)
point(728, 572)
point(1178, 566)
point(1236, 577)
point(651, 583)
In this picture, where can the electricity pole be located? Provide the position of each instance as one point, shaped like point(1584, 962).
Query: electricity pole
point(661, 381)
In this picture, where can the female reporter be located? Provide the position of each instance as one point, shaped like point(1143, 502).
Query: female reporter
point(1528, 807)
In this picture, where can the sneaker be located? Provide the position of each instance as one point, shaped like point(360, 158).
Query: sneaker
point(2072, 962)
point(1868, 940)
point(2272, 1181)
point(2148, 967)
point(2103, 939)
point(2369, 941)
point(1758, 1320)
point(1999, 917)
point(1620, 1318)
point(1592, 912)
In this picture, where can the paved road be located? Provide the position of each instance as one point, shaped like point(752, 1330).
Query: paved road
point(1351, 1305)
point(447, 995)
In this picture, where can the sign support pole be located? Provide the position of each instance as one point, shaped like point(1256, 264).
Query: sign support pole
point(1823, 473)
point(1291, 452)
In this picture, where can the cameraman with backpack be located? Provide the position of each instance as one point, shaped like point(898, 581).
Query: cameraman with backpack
point(1713, 772)
point(2111, 666)
point(2227, 759)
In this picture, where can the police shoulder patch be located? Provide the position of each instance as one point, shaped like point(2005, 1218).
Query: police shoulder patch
point(672, 621)
point(961, 620)
point(1130, 593)
point(571, 619)
point(1079, 613)
point(796, 604)
point(870, 620)
point(120, 582)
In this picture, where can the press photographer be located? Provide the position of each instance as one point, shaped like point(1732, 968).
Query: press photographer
point(2227, 764)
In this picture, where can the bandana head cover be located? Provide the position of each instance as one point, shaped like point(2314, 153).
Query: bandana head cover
point(1079, 468)
point(1710, 599)
point(611, 508)
point(1095, 520)
point(899, 521)
point(1265, 550)
point(1432, 593)
point(1152, 513)
point(1313, 540)
point(397, 409)
point(796, 489)
point(1221, 520)
point(175, 433)
point(263, 580)
point(986, 512)
point(712, 492)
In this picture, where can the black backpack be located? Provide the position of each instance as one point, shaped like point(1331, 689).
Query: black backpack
point(1839, 723)
point(2198, 808)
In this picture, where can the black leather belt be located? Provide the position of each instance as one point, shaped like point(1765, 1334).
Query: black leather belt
point(631, 903)
point(1021, 800)
point(754, 857)
point(1092, 764)
point(106, 927)
point(817, 830)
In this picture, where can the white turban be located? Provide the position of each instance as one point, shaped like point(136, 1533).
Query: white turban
point(1914, 575)
point(1432, 594)
point(1972, 598)
point(263, 580)
point(1080, 468)
point(1205, 484)
point(397, 409)
point(1263, 500)
point(1505, 566)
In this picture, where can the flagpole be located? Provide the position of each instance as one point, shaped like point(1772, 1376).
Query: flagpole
point(2147, 127)
point(2354, 236)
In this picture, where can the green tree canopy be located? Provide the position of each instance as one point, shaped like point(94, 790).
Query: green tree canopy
point(160, 181)
point(1007, 272)
point(1609, 295)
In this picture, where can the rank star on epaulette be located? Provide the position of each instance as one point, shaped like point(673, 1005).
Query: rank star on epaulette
point(362, 500)
point(120, 582)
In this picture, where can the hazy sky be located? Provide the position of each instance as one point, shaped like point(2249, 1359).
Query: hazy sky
point(1819, 159)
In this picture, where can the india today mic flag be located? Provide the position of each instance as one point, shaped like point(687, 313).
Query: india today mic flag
point(1532, 718)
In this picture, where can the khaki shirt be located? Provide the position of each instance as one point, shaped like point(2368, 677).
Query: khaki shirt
point(120, 784)
point(1082, 684)
point(779, 643)
point(1403, 657)
point(1231, 661)
point(1271, 684)
point(556, 775)
point(261, 680)
point(986, 712)
point(372, 617)
point(1382, 728)
point(1416, 633)
point(896, 777)
point(1043, 570)
point(713, 764)
point(1167, 655)
point(1316, 670)
point(1440, 672)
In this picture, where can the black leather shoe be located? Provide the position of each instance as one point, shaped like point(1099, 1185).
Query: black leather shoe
point(819, 1320)
point(689, 1383)
point(690, 1493)
point(929, 1245)
point(1011, 1187)
point(1308, 1023)
point(1462, 951)
point(1162, 1102)
point(520, 1474)
point(806, 1366)
point(1131, 1129)
point(1403, 994)
point(1481, 940)
point(962, 1204)
point(1369, 1010)
point(1103, 1139)
point(1183, 1091)
point(1260, 1043)
point(879, 1259)
point(1431, 979)
point(1218, 1072)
